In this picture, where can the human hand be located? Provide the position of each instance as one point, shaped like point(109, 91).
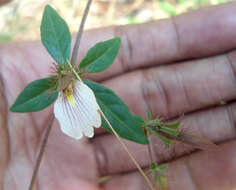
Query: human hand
point(162, 67)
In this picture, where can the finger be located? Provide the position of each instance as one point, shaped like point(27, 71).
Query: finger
point(216, 125)
point(202, 171)
point(154, 43)
point(169, 91)
point(196, 34)
point(205, 170)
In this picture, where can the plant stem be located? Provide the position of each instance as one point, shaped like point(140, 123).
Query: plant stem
point(76, 74)
point(41, 152)
point(149, 147)
point(150, 153)
point(130, 155)
point(79, 34)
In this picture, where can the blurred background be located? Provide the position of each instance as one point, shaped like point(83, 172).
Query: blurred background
point(20, 19)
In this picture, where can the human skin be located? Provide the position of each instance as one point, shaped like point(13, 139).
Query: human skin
point(186, 64)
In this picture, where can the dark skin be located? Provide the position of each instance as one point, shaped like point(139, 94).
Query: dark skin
point(184, 65)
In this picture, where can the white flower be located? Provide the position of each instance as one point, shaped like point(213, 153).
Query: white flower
point(77, 110)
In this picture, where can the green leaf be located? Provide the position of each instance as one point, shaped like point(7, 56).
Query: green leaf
point(100, 56)
point(163, 167)
point(124, 123)
point(36, 96)
point(139, 119)
point(171, 131)
point(174, 125)
point(153, 166)
point(55, 35)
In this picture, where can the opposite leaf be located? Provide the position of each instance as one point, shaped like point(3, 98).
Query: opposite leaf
point(35, 97)
point(100, 56)
point(55, 35)
point(125, 124)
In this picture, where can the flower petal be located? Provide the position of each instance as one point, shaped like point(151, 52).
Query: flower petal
point(80, 118)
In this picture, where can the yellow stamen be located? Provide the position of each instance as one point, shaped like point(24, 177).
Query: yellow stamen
point(70, 98)
point(68, 93)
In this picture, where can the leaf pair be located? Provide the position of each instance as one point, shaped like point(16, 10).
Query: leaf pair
point(56, 38)
point(41, 93)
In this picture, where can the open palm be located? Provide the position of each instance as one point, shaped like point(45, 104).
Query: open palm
point(184, 65)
